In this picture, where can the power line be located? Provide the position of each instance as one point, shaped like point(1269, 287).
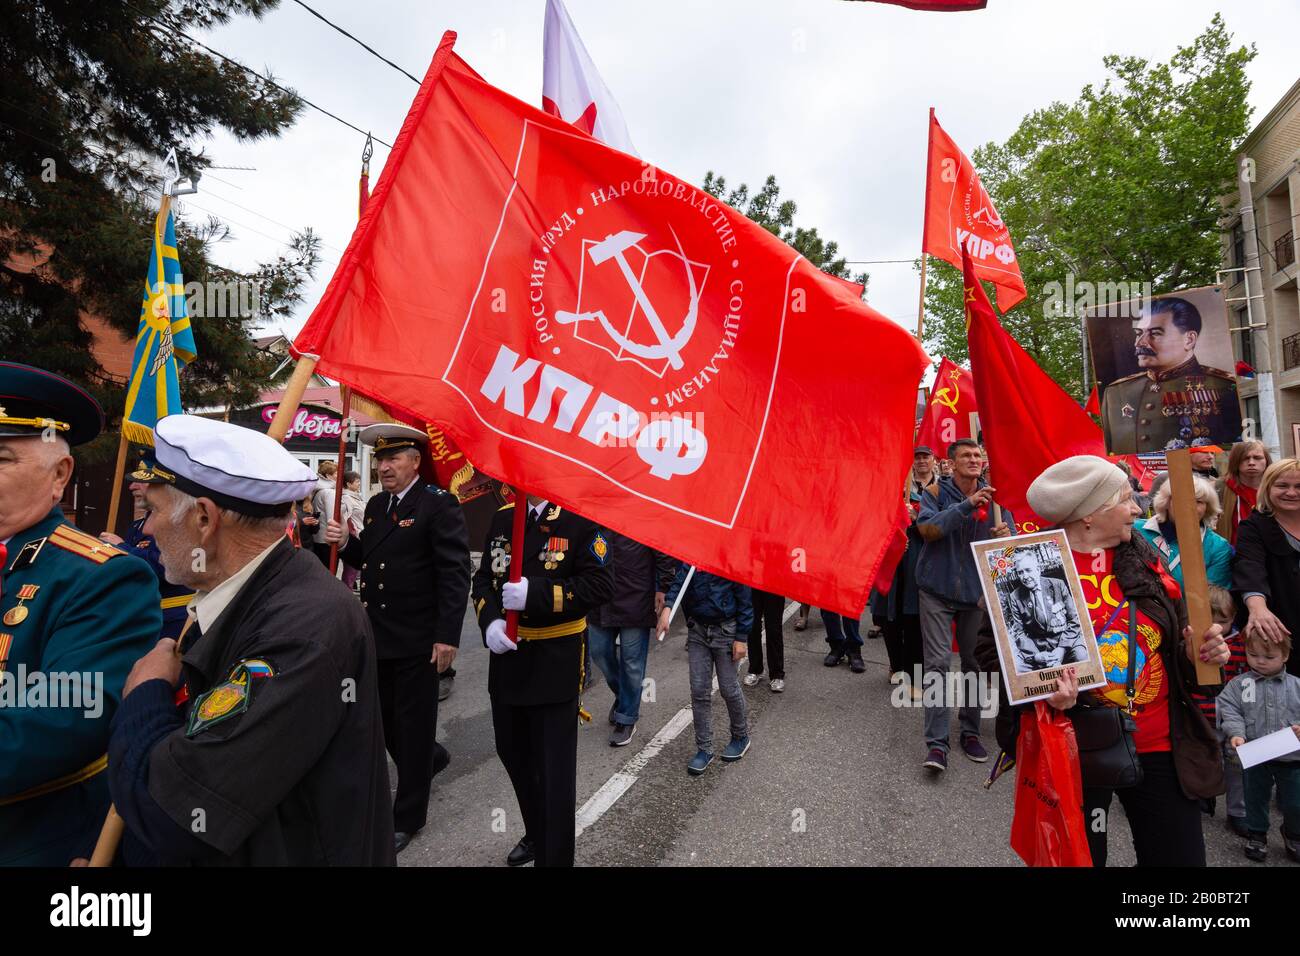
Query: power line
point(252, 72)
point(369, 49)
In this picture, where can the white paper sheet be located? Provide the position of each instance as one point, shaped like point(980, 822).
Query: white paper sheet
point(1276, 744)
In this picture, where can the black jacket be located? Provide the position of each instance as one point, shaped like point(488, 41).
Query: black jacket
point(1198, 759)
point(294, 773)
point(547, 666)
point(414, 571)
point(1266, 562)
point(639, 572)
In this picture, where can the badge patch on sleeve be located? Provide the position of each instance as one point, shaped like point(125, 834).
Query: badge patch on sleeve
point(600, 547)
point(225, 700)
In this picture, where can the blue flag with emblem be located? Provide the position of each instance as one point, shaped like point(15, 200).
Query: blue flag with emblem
point(164, 341)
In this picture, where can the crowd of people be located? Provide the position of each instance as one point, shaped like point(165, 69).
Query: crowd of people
point(251, 700)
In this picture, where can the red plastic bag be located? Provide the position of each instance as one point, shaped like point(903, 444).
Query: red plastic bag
point(1048, 827)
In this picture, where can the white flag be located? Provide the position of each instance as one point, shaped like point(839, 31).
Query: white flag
point(571, 87)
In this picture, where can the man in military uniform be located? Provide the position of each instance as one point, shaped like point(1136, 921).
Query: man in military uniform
point(261, 743)
point(414, 559)
point(534, 682)
point(1174, 400)
point(174, 598)
point(75, 613)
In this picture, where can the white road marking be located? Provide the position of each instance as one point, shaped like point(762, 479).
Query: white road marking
point(791, 608)
point(622, 781)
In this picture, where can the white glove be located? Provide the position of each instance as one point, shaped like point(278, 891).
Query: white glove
point(497, 641)
point(514, 594)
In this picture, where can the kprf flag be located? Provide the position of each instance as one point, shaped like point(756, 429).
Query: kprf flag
point(948, 413)
point(1029, 422)
point(571, 87)
point(960, 217)
point(605, 335)
point(164, 341)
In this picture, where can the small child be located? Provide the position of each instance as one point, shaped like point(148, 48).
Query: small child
point(719, 614)
point(1224, 612)
point(1259, 702)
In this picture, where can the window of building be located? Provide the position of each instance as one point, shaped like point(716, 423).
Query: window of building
point(1238, 247)
point(1245, 339)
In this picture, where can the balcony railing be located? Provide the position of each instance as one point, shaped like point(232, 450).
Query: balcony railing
point(1284, 250)
point(1291, 351)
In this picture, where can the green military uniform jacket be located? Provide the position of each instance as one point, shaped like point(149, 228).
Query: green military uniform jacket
point(1147, 411)
point(75, 615)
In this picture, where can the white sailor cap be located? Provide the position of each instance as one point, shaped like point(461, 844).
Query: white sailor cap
point(238, 468)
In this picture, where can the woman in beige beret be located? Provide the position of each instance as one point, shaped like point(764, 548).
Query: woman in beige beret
point(1125, 586)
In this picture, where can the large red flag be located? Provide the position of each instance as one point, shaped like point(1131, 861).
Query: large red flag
point(1029, 422)
point(948, 415)
point(605, 335)
point(961, 218)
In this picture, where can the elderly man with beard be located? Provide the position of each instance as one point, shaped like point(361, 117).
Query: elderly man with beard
point(255, 739)
point(74, 613)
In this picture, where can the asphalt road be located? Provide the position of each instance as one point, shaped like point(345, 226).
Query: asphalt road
point(833, 778)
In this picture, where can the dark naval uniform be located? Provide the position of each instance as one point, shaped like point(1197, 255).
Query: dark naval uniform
point(1152, 411)
point(534, 689)
point(271, 751)
point(414, 565)
point(73, 611)
point(173, 598)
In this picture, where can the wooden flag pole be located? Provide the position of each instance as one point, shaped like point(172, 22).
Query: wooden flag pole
point(1196, 584)
point(920, 308)
point(114, 502)
point(292, 398)
point(339, 475)
point(118, 475)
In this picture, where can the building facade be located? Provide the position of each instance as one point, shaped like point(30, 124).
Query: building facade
point(1259, 273)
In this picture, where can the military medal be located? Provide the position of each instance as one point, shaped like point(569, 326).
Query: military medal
point(18, 613)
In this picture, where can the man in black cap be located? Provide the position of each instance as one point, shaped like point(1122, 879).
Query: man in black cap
point(261, 744)
point(414, 558)
point(174, 598)
point(534, 682)
point(75, 613)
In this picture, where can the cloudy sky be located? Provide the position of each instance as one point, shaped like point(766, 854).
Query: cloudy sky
point(829, 96)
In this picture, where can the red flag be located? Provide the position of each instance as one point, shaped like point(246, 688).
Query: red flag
point(948, 415)
point(603, 334)
point(1093, 406)
point(960, 217)
point(1029, 421)
point(950, 6)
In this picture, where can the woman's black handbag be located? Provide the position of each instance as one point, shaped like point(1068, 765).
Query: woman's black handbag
point(1108, 756)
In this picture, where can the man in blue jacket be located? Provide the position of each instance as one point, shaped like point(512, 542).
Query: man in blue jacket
point(955, 511)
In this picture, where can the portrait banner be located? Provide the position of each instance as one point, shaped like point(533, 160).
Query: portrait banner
point(1038, 613)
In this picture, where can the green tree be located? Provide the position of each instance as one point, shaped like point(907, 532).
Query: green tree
point(769, 210)
point(1122, 185)
point(92, 97)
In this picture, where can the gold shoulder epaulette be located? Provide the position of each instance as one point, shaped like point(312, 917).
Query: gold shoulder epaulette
point(72, 539)
point(506, 507)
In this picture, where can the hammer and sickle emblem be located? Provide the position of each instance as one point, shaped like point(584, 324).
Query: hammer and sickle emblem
point(667, 346)
point(949, 395)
